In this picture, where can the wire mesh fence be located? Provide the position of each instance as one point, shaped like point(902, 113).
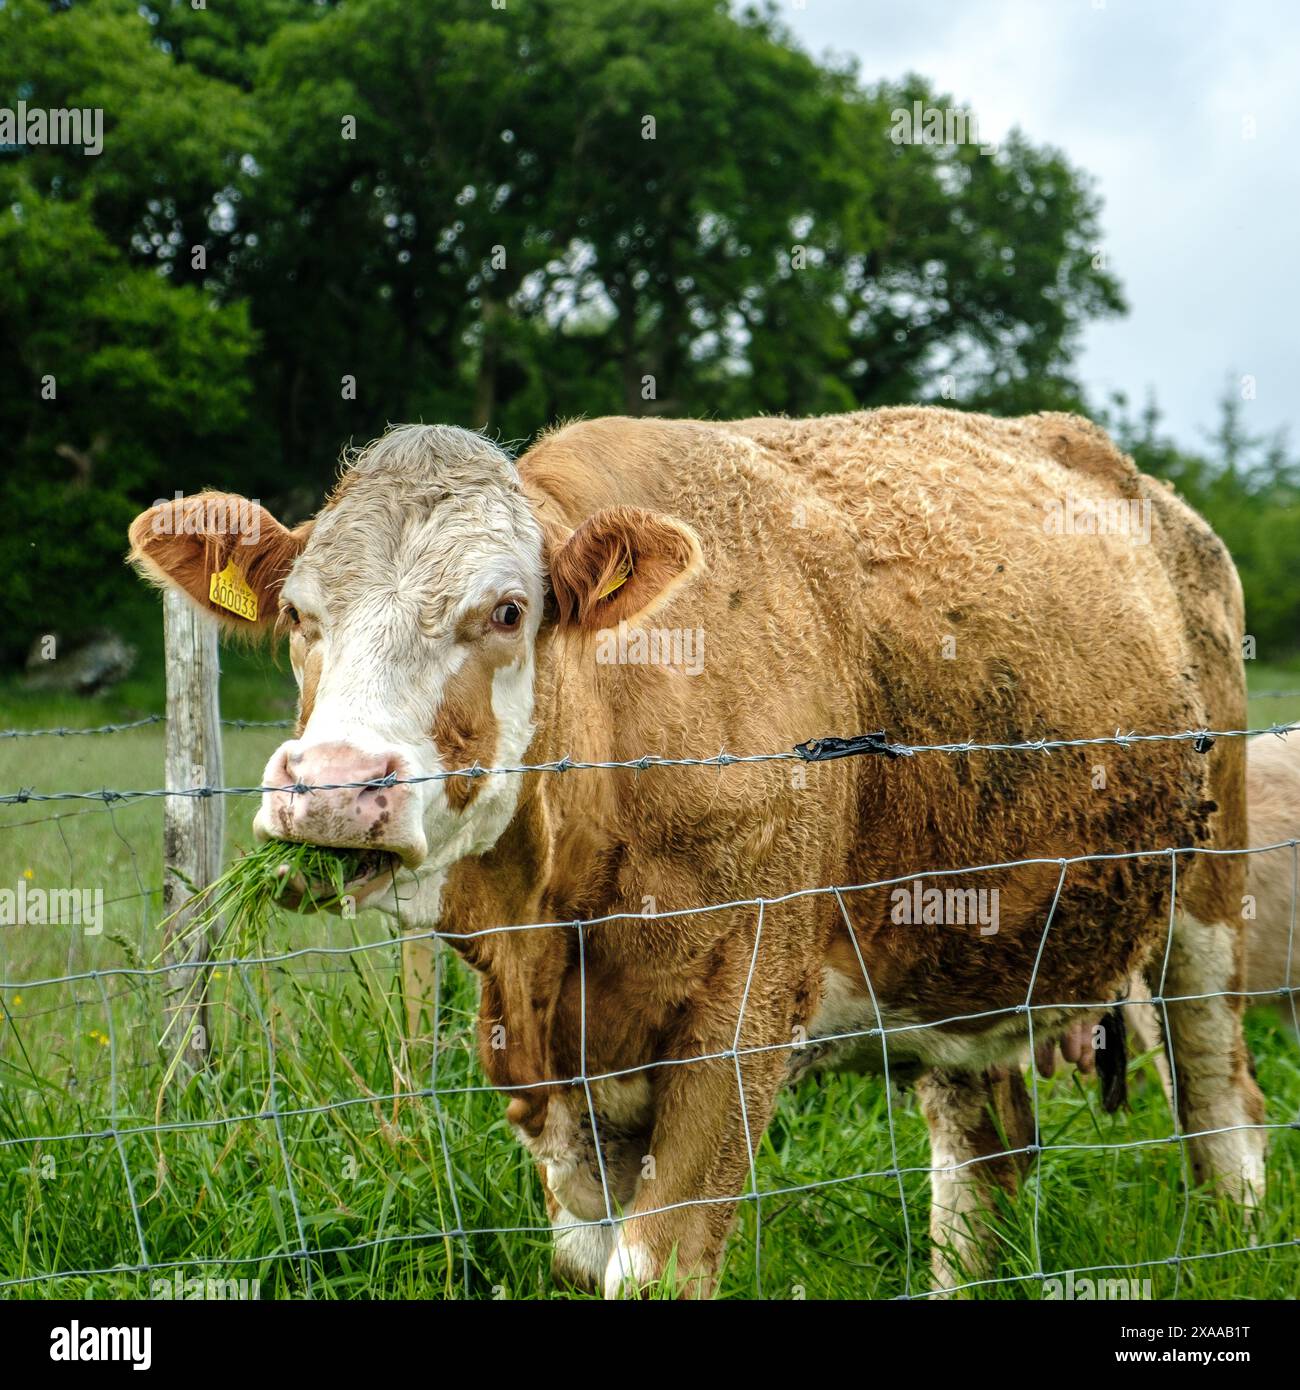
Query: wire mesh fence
point(316, 1070)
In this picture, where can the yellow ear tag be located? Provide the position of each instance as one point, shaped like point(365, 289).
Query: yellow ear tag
point(229, 590)
point(621, 578)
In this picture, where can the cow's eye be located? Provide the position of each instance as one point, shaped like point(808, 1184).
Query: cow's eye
point(506, 616)
point(291, 615)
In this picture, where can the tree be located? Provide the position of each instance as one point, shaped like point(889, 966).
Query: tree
point(1248, 488)
point(121, 383)
point(312, 219)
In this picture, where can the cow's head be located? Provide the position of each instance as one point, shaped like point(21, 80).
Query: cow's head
point(412, 606)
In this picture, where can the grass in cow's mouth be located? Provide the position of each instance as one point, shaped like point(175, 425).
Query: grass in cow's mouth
point(258, 881)
point(234, 909)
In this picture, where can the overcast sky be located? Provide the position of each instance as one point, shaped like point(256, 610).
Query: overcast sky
point(1202, 224)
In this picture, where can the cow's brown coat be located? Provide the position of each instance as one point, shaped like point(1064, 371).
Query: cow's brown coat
point(838, 559)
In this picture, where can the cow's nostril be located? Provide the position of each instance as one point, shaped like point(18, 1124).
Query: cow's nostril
point(376, 777)
point(330, 787)
point(277, 772)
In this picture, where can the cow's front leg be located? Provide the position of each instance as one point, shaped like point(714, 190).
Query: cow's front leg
point(581, 1248)
point(980, 1125)
point(697, 1164)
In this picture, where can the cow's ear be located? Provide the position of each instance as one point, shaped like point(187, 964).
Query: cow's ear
point(619, 565)
point(225, 553)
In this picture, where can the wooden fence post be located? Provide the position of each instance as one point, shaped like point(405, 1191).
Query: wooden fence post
point(193, 826)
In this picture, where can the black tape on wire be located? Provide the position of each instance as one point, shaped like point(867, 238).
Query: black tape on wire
point(822, 750)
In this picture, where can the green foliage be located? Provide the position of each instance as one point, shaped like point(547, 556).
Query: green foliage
point(128, 374)
point(1248, 488)
point(115, 373)
point(500, 245)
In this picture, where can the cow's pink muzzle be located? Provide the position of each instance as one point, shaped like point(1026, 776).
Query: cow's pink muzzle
point(329, 798)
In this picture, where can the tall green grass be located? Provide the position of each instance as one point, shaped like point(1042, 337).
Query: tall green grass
point(359, 1152)
point(363, 1168)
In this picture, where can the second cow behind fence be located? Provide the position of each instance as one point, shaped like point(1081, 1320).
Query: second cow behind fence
point(922, 571)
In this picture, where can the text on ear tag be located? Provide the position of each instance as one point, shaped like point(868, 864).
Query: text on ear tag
point(621, 576)
point(229, 590)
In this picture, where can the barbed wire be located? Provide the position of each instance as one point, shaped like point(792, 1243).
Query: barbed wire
point(68, 731)
point(826, 749)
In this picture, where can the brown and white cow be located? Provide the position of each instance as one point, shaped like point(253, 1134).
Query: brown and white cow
point(903, 569)
point(1273, 933)
point(1270, 908)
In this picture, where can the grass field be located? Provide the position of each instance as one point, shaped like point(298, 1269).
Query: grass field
point(362, 1167)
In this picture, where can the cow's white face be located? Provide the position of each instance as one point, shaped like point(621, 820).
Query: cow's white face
point(412, 606)
point(412, 615)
